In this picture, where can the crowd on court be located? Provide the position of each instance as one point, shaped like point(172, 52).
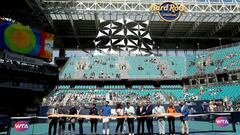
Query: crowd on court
point(144, 109)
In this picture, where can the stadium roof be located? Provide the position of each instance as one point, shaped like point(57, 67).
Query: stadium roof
point(75, 22)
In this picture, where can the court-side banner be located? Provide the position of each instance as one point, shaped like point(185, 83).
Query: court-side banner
point(22, 58)
point(27, 40)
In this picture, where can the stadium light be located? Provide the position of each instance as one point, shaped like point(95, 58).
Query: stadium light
point(77, 48)
point(220, 41)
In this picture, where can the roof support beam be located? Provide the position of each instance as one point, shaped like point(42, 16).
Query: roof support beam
point(137, 6)
point(44, 17)
point(74, 30)
point(35, 5)
point(236, 30)
point(158, 37)
point(167, 30)
point(221, 24)
point(194, 27)
point(150, 18)
point(96, 20)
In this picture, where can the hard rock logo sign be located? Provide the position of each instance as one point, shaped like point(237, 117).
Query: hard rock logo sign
point(168, 11)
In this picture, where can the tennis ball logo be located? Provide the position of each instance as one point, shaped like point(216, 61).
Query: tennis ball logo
point(19, 38)
point(21, 126)
point(221, 121)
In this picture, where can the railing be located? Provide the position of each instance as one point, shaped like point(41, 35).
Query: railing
point(153, 1)
point(223, 46)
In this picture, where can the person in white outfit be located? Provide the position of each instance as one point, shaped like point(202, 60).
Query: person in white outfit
point(161, 122)
point(129, 111)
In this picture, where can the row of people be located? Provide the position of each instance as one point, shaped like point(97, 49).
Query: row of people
point(129, 110)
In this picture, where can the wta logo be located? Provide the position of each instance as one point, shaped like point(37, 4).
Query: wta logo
point(221, 121)
point(21, 126)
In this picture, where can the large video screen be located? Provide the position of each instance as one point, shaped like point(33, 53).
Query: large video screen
point(27, 40)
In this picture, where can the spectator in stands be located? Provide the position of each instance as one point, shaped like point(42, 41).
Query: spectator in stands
point(229, 108)
point(180, 98)
point(80, 120)
point(192, 96)
point(62, 120)
point(212, 106)
point(225, 101)
point(203, 108)
point(238, 107)
point(93, 111)
point(159, 110)
point(171, 119)
point(44, 101)
point(220, 107)
point(52, 120)
point(120, 121)
point(72, 120)
point(149, 120)
point(129, 111)
point(106, 111)
point(140, 121)
point(184, 117)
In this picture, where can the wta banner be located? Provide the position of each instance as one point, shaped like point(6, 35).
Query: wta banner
point(22, 58)
point(27, 40)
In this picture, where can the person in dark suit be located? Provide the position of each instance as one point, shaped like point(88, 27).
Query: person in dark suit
point(140, 121)
point(72, 120)
point(62, 120)
point(149, 120)
point(93, 111)
point(80, 120)
point(52, 120)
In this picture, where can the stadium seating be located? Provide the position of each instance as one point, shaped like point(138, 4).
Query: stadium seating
point(212, 61)
point(136, 86)
point(130, 67)
point(64, 87)
point(217, 92)
point(114, 87)
point(171, 86)
point(75, 96)
point(145, 67)
point(85, 94)
point(85, 87)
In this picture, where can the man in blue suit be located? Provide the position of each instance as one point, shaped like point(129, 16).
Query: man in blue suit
point(149, 120)
point(184, 117)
